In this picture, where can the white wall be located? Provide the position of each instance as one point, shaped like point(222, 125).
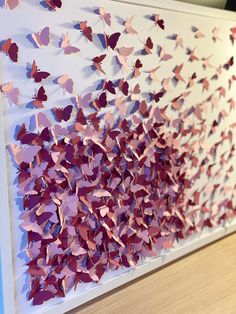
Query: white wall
point(209, 3)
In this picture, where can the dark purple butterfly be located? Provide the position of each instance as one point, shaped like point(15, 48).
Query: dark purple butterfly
point(63, 114)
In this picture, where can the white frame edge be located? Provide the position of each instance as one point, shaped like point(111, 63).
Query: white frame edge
point(70, 303)
point(8, 286)
point(183, 8)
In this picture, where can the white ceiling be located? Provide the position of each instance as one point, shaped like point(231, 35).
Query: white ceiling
point(209, 3)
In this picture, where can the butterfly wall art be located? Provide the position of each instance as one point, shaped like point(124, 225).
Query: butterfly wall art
point(120, 139)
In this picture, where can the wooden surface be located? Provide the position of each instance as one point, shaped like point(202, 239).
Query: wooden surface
point(203, 282)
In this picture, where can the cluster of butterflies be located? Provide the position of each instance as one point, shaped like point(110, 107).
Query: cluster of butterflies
point(49, 4)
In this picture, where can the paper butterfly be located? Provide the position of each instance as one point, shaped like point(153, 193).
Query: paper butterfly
point(39, 98)
point(10, 49)
point(36, 74)
point(41, 38)
point(85, 29)
point(66, 45)
point(12, 93)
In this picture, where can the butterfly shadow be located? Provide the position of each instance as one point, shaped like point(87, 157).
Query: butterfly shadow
point(119, 20)
point(2, 3)
point(88, 71)
point(91, 10)
point(32, 3)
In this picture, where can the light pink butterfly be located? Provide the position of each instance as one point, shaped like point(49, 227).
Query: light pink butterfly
point(197, 32)
point(83, 101)
point(128, 26)
point(11, 4)
point(66, 83)
point(177, 71)
point(205, 84)
point(216, 34)
point(153, 74)
point(11, 92)
point(66, 45)
point(163, 54)
point(191, 54)
point(179, 41)
point(206, 62)
point(42, 38)
point(166, 85)
point(21, 154)
point(105, 16)
point(135, 93)
point(123, 54)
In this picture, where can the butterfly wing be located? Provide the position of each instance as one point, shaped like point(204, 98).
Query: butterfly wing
point(128, 26)
point(97, 63)
point(105, 16)
point(12, 4)
point(148, 46)
point(53, 4)
point(40, 97)
point(112, 40)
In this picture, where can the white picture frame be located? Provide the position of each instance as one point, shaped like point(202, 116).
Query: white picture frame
point(72, 300)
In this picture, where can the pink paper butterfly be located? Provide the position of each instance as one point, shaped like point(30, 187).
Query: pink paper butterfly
point(66, 45)
point(66, 83)
point(11, 92)
point(42, 38)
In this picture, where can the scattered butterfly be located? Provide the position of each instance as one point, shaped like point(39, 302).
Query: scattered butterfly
point(11, 4)
point(148, 46)
point(153, 74)
point(232, 35)
point(109, 86)
point(39, 98)
point(137, 66)
point(135, 93)
point(177, 71)
point(215, 34)
point(53, 4)
point(97, 63)
point(192, 80)
point(191, 54)
point(123, 54)
point(42, 38)
point(66, 45)
point(66, 83)
point(205, 84)
point(128, 26)
point(163, 55)
point(83, 102)
point(85, 29)
point(157, 96)
point(10, 49)
point(105, 16)
point(101, 101)
point(124, 87)
point(197, 32)
point(179, 41)
point(11, 92)
point(206, 62)
point(111, 40)
point(229, 63)
point(36, 74)
point(158, 21)
point(62, 114)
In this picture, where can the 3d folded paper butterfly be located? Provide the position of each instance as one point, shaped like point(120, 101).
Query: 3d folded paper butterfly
point(41, 38)
point(11, 4)
point(39, 98)
point(36, 74)
point(66, 45)
point(11, 92)
point(10, 49)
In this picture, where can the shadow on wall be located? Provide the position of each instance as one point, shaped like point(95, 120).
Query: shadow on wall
point(220, 4)
point(1, 296)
